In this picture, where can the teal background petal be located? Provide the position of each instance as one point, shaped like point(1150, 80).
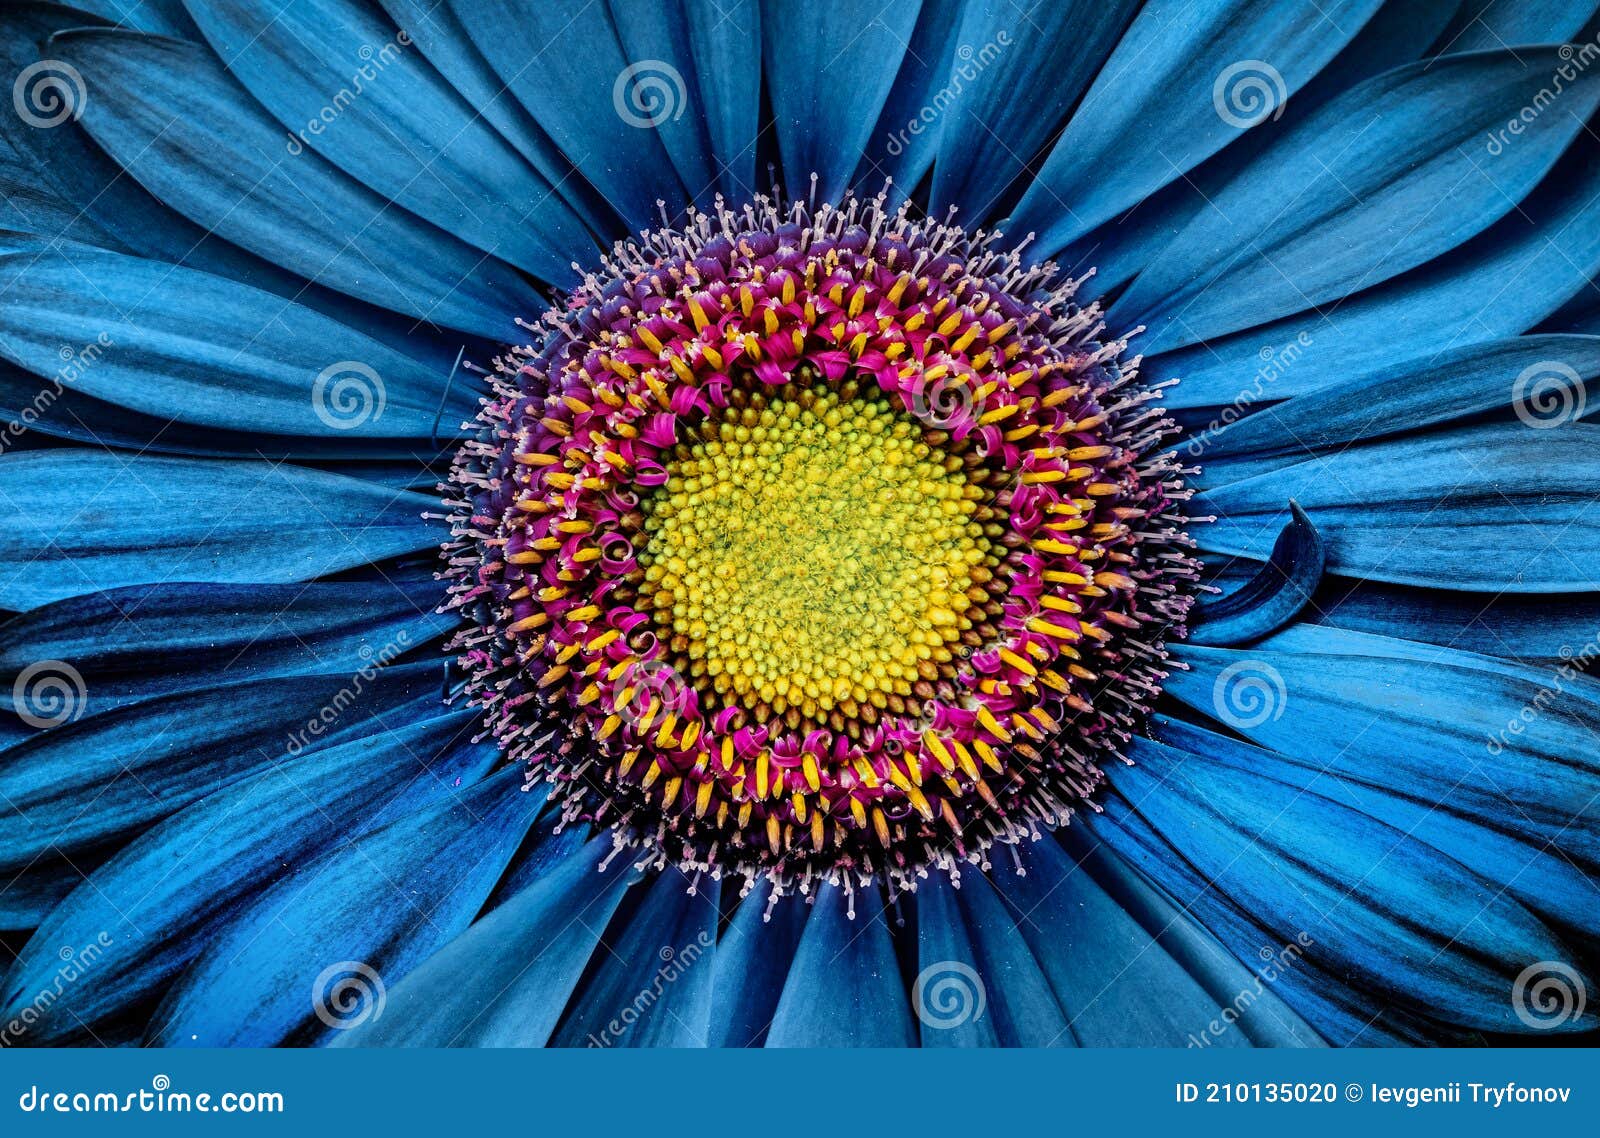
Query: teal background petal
point(1368, 172)
point(181, 126)
point(81, 521)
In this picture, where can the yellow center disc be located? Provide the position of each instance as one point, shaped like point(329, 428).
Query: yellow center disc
point(810, 548)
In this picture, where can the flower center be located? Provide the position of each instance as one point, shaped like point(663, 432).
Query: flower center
point(817, 543)
point(812, 552)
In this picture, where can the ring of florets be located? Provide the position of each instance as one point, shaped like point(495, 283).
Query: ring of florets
point(817, 541)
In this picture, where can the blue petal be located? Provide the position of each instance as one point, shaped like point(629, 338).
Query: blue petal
point(1544, 881)
point(829, 67)
point(1119, 249)
point(905, 142)
point(1402, 31)
point(1496, 23)
point(1493, 508)
point(1366, 174)
point(406, 133)
point(753, 960)
point(158, 17)
point(1117, 984)
point(978, 984)
point(422, 475)
point(725, 42)
point(172, 638)
point(64, 219)
point(154, 905)
point(1044, 57)
point(550, 846)
point(30, 204)
point(176, 122)
point(77, 521)
point(1499, 284)
point(433, 27)
point(651, 986)
point(1278, 592)
point(1580, 315)
point(95, 781)
point(1340, 1013)
point(1173, 94)
point(82, 419)
point(188, 346)
point(1457, 384)
point(70, 414)
point(564, 63)
point(1413, 925)
point(388, 900)
point(716, 54)
point(62, 162)
point(70, 188)
point(28, 895)
point(1526, 626)
point(1240, 990)
point(505, 981)
point(844, 987)
point(951, 992)
point(1432, 720)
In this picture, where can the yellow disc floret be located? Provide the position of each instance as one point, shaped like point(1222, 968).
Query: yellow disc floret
point(811, 549)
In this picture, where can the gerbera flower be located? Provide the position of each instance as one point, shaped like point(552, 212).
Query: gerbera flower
point(732, 524)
